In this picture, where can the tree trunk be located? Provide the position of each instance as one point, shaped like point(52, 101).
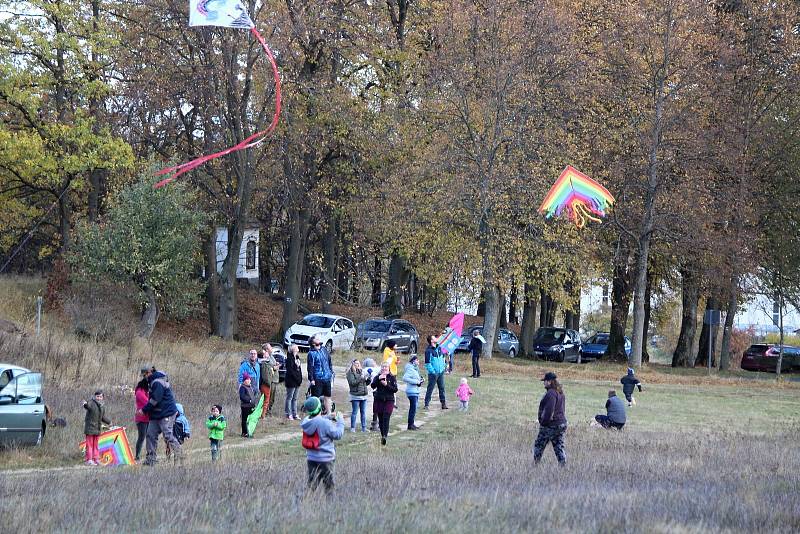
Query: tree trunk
point(329, 266)
point(65, 215)
point(228, 321)
point(398, 276)
point(543, 307)
point(376, 280)
point(730, 314)
point(647, 308)
point(781, 338)
point(708, 330)
point(491, 320)
point(569, 316)
point(690, 288)
point(481, 312)
point(512, 305)
point(551, 311)
point(294, 268)
point(149, 314)
point(576, 317)
point(212, 279)
point(620, 301)
point(529, 313)
point(502, 318)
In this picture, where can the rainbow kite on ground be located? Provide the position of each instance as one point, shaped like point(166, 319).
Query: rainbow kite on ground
point(113, 446)
point(581, 197)
point(451, 336)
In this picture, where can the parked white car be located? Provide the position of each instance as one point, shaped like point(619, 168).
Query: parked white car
point(336, 332)
point(22, 410)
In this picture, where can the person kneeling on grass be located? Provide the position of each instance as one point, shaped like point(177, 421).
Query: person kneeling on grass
point(319, 433)
point(615, 410)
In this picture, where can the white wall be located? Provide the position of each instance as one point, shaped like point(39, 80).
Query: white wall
point(222, 250)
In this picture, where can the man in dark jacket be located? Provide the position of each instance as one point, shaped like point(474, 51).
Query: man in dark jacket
point(161, 410)
point(320, 373)
point(475, 347)
point(552, 420)
point(615, 410)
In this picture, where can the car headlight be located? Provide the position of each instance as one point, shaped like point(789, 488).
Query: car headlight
point(555, 348)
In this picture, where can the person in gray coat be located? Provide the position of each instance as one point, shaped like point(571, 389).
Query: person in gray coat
point(615, 413)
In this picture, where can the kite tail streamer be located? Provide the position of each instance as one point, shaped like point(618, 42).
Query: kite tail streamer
point(249, 142)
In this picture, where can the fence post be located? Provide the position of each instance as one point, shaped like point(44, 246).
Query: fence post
point(38, 315)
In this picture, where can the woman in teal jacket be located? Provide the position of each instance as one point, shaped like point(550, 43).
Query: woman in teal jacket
point(413, 381)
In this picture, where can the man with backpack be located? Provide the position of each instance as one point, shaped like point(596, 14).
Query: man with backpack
point(319, 433)
point(162, 411)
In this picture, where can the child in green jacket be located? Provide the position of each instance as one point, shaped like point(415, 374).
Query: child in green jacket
point(216, 424)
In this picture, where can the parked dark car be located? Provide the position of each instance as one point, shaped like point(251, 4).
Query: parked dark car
point(764, 357)
point(374, 333)
point(506, 342)
point(595, 347)
point(557, 344)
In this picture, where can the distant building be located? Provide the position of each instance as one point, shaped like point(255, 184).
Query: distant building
point(247, 269)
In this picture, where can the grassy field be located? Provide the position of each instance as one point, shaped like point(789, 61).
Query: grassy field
point(700, 453)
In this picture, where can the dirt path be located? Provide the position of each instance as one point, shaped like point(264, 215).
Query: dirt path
point(286, 430)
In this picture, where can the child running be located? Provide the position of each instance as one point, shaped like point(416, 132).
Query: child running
point(629, 382)
point(464, 392)
point(319, 433)
point(95, 417)
point(216, 424)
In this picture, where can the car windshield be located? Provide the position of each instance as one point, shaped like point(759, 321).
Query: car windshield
point(317, 321)
point(375, 326)
point(547, 335)
point(599, 339)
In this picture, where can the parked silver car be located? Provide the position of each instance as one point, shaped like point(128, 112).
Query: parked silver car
point(22, 411)
point(507, 341)
point(374, 333)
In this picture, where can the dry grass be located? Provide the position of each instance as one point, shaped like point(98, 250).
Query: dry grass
point(683, 464)
point(699, 454)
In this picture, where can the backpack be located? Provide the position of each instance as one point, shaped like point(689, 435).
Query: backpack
point(179, 431)
point(310, 441)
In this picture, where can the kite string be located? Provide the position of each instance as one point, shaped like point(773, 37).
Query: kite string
point(249, 142)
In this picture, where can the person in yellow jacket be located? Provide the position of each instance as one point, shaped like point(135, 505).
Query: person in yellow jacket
point(389, 355)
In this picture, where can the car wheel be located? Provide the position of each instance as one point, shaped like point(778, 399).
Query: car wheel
point(412, 349)
point(512, 353)
point(560, 356)
point(329, 346)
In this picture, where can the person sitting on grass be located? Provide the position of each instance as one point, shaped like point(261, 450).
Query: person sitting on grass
point(216, 424)
point(629, 382)
point(615, 413)
point(319, 433)
point(92, 426)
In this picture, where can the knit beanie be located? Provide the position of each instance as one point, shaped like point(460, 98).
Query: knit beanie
point(312, 406)
point(630, 371)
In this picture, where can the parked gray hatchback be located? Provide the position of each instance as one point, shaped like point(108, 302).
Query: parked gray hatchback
point(373, 334)
point(22, 411)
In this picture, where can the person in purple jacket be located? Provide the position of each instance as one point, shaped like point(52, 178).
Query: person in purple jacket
point(552, 420)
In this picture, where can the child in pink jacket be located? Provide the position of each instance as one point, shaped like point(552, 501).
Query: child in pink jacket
point(464, 392)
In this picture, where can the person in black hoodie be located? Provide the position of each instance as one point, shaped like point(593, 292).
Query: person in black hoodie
point(552, 420)
point(385, 386)
point(475, 347)
point(293, 381)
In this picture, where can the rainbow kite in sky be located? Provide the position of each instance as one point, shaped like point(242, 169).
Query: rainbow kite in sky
point(581, 197)
point(114, 447)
